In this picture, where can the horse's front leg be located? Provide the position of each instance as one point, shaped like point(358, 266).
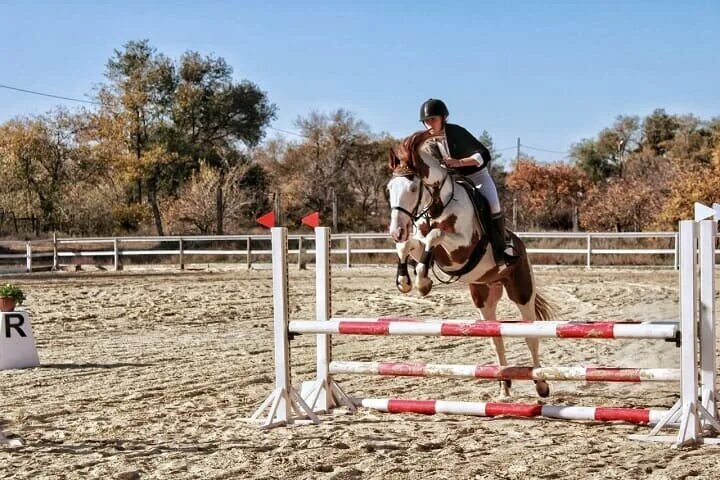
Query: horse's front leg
point(404, 251)
point(423, 282)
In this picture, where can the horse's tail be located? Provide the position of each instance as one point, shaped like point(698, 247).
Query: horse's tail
point(544, 310)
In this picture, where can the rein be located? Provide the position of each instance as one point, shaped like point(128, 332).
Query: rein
point(414, 215)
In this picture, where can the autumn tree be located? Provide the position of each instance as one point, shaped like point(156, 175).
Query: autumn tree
point(171, 115)
point(547, 195)
point(337, 157)
point(623, 205)
point(39, 158)
point(136, 96)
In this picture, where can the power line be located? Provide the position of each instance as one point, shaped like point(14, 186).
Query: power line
point(42, 94)
point(288, 132)
point(91, 102)
point(544, 150)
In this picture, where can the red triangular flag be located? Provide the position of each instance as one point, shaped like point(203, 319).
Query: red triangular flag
point(312, 220)
point(267, 220)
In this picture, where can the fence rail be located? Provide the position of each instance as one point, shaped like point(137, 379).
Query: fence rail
point(349, 246)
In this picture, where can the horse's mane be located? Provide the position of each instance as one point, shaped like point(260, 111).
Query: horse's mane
point(408, 160)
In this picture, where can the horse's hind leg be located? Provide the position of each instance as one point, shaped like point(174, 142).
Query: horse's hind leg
point(528, 314)
point(486, 298)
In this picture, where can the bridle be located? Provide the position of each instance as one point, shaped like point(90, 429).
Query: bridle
point(414, 215)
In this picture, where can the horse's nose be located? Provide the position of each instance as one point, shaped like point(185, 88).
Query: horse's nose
point(398, 233)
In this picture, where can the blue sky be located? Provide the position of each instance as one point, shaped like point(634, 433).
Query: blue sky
point(548, 72)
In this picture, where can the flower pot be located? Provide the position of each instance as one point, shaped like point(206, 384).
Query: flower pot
point(7, 304)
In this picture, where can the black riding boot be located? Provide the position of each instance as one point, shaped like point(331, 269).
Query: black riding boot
point(499, 244)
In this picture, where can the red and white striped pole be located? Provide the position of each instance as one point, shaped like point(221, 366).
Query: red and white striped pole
point(641, 416)
point(497, 372)
point(599, 330)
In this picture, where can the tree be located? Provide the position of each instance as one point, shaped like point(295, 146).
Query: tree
point(497, 169)
point(338, 156)
point(621, 205)
point(547, 194)
point(39, 157)
point(592, 158)
point(170, 116)
point(212, 113)
point(658, 130)
point(604, 157)
point(700, 184)
point(137, 96)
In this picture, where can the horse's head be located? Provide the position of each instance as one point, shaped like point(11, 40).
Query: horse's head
point(416, 166)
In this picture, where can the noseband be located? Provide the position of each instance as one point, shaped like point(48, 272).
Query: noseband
point(414, 215)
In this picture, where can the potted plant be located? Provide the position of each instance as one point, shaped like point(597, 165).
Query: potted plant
point(10, 296)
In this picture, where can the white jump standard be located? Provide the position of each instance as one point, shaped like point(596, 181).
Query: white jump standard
point(695, 417)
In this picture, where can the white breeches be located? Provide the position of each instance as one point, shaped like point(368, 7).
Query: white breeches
point(483, 181)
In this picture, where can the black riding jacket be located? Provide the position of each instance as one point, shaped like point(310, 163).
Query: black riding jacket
point(462, 144)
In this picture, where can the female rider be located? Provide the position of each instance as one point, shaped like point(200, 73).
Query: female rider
point(464, 153)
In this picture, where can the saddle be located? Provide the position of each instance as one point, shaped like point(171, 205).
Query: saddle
point(480, 203)
point(482, 213)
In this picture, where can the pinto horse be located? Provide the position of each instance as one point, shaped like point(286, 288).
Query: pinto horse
point(433, 220)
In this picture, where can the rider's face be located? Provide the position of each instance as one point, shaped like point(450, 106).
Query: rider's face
point(434, 123)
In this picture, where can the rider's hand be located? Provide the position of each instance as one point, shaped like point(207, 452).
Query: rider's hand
point(453, 163)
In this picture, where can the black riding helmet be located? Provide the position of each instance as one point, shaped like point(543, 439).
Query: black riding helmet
point(433, 108)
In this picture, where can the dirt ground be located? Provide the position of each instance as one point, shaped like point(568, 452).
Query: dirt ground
point(152, 374)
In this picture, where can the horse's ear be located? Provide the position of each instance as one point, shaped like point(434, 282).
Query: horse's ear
point(393, 160)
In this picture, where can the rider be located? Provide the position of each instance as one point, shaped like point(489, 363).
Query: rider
point(465, 154)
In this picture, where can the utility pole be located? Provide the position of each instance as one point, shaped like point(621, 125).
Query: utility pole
point(517, 156)
point(334, 212)
point(278, 213)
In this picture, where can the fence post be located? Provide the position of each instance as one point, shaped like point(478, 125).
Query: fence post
point(248, 254)
point(589, 251)
point(55, 252)
point(347, 251)
point(116, 255)
point(182, 254)
point(677, 250)
point(300, 264)
point(28, 257)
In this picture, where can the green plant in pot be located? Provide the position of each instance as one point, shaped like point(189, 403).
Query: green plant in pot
point(10, 297)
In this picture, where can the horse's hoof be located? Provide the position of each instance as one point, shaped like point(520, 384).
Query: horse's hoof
point(542, 388)
point(404, 285)
point(505, 386)
point(424, 289)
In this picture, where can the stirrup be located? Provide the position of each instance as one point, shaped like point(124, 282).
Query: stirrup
point(505, 258)
point(512, 256)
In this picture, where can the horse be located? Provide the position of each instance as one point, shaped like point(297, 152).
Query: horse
point(433, 220)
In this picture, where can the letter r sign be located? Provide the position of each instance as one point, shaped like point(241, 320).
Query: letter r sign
point(17, 343)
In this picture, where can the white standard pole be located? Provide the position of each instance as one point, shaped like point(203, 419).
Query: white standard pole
point(690, 431)
point(708, 363)
point(280, 320)
point(322, 312)
point(325, 393)
point(284, 400)
point(690, 413)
